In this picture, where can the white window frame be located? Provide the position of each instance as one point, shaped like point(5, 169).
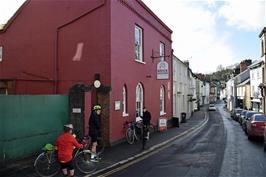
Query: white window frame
point(138, 44)
point(1, 53)
point(262, 48)
point(162, 51)
point(124, 101)
point(139, 99)
point(162, 101)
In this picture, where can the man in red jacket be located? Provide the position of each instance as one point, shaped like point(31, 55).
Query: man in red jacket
point(65, 144)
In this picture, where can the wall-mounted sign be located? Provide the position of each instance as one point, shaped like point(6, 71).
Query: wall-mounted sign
point(76, 110)
point(117, 105)
point(162, 70)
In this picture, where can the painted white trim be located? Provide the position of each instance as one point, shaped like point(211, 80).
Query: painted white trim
point(142, 62)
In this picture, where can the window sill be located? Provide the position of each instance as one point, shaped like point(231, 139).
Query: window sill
point(125, 115)
point(162, 113)
point(142, 62)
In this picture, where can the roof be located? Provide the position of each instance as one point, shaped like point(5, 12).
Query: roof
point(256, 64)
point(10, 21)
point(243, 83)
point(262, 32)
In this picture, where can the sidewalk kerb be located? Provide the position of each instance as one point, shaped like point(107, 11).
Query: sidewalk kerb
point(153, 148)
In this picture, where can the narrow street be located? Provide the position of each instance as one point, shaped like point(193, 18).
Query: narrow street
point(221, 149)
point(198, 154)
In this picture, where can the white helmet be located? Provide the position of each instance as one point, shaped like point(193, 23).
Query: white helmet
point(69, 126)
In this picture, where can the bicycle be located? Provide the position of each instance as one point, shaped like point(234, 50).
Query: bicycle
point(100, 145)
point(133, 132)
point(47, 165)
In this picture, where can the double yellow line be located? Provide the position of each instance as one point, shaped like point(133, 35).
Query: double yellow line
point(151, 152)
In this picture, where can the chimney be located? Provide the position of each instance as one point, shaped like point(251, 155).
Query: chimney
point(186, 62)
point(244, 65)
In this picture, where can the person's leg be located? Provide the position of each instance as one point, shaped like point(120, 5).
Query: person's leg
point(64, 168)
point(71, 168)
point(93, 146)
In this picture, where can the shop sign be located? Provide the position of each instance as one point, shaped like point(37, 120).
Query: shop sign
point(162, 70)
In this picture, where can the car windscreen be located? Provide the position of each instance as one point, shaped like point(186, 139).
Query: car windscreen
point(243, 112)
point(249, 114)
point(261, 118)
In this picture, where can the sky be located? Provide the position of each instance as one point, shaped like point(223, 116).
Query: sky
point(207, 33)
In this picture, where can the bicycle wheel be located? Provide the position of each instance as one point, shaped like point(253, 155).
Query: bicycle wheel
point(83, 163)
point(46, 164)
point(152, 128)
point(100, 145)
point(130, 136)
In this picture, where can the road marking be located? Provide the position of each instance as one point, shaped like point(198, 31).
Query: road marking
point(145, 154)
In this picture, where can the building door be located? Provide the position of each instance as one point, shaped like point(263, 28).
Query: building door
point(139, 100)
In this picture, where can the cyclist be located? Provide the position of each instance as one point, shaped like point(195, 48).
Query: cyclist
point(64, 144)
point(146, 121)
point(94, 130)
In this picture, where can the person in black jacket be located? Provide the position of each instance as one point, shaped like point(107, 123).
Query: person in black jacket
point(94, 130)
point(146, 121)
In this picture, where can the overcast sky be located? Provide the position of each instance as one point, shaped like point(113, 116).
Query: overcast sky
point(205, 32)
point(210, 32)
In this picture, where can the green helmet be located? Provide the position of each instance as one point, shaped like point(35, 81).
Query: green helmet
point(49, 147)
point(97, 107)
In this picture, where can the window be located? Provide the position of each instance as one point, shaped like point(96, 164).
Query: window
point(139, 100)
point(262, 48)
point(138, 44)
point(124, 102)
point(253, 90)
point(162, 95)
point(258, 74)
point(1, 53)
point(162, 51)
point(252, 75)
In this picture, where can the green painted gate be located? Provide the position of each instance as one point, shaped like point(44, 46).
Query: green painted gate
point(28, 122)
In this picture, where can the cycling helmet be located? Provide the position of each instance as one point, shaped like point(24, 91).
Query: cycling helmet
point(97, 107)
point(49, 147)
point(68, 126)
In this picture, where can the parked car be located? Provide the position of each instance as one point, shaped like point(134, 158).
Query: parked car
point(212, 107)
point(256, 125)
point(264, 139)
point(242, 116)
point(247, 117)
point(236, 113)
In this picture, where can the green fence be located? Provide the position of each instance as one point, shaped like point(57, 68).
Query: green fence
point(28, 122)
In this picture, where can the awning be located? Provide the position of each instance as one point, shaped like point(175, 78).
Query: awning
point(262, 85)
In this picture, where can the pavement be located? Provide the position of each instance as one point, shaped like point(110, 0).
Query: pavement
point(117, 155)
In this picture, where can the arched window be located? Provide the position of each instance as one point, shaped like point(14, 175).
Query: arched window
point(124, 101)
point(139, 100)
point(162, 96)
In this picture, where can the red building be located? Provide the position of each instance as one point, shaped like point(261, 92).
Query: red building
point(51, 47)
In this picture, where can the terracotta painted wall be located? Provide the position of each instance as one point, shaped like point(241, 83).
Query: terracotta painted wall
point(125, 70)
point(40, 31)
